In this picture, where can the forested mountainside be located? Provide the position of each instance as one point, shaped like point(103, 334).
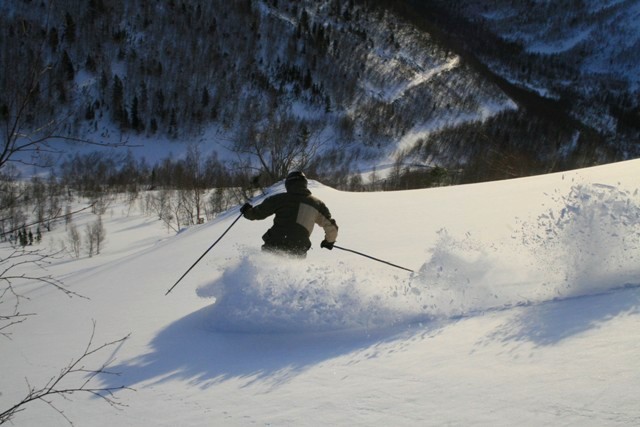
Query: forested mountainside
point(583, 55)
point(337, 84)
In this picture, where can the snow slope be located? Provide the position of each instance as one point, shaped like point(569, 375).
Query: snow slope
point(524, 309)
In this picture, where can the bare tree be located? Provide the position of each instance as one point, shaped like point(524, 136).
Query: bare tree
point(75, 371)
point(281, 145)
point(99, 233)
point(11, 193)
point(162, 204)
point(68, 215)
point(95, 234)
point(21, 222)
point(88, 232)
point(75, 241)
point(193, 189)
point(28, 127)
point(220, 200)
point(15, 270)
point(53, 194)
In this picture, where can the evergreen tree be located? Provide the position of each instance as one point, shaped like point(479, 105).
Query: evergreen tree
point(53, 39)
point(136, 123)
point(69, 29)
point(117, 102)
point(67, 67)
point(205, 97)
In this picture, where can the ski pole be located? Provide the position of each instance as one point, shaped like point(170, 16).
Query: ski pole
point(205, 252)
point(373, 258)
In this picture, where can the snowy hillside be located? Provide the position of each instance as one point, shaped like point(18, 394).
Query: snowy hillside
point(524, 309)
point(354, 85)
point(349, 80)
point(583, 54)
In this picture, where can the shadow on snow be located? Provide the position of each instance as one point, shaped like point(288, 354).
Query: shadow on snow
point(551, 322)
point(187, 351)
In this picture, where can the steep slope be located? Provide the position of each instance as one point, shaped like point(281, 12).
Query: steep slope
point(524, 309)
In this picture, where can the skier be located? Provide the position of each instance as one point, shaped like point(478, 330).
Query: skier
point(296, 212)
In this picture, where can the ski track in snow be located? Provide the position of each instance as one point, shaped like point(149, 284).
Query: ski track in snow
point(588, 240)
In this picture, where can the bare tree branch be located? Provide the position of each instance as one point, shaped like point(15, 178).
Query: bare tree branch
point(54, 388)
point(37, 258)
point(12, 320)
point(11, 277)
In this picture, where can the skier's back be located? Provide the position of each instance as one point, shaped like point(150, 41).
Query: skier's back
point(296, 212)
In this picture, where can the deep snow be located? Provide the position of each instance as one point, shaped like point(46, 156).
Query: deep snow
point(524, 309)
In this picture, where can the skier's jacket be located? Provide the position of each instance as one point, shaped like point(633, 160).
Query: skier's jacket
point(296, 212)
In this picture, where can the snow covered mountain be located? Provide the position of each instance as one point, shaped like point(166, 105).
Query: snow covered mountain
point(584, 54)
point(524, 309)
point(358, 84)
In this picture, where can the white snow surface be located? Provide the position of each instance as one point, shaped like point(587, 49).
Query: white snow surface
point(523, 309)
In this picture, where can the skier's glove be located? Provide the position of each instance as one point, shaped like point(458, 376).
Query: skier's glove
point(245, 208)
point(326, 245)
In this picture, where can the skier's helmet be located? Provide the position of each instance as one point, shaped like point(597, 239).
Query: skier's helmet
point(295, 181)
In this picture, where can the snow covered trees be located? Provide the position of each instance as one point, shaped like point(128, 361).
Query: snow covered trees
point(365, 75)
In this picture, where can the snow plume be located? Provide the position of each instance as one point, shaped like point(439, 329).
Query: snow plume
point(591, 239)
point(272, 293)
point(266, 293)
point(586, 243)
point(465, 276)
